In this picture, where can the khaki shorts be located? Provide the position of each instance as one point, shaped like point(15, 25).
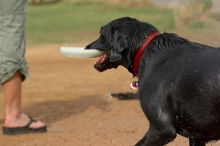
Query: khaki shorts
point(12, 39)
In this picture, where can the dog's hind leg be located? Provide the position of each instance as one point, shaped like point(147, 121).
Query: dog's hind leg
point(193, 142)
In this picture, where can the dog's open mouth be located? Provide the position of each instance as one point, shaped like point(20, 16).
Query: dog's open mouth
point(101, 59)
point(102, 63)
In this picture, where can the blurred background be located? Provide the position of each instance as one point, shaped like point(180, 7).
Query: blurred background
point(71, 21)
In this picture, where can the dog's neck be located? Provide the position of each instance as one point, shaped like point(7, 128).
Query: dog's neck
point(140, 52)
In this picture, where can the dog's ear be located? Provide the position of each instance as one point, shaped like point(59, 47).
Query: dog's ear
point(119, 43)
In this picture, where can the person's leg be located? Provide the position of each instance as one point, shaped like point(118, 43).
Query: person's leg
point(13, 67)
point(14, 116)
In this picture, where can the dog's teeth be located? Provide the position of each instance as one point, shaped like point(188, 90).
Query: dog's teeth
point(102, 60)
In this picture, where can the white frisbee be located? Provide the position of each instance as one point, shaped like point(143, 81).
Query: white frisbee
point(80, 52)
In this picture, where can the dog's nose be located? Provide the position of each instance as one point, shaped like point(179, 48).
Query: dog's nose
point(87, 47)
point(95, 45)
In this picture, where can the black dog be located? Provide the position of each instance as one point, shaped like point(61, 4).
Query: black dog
point(179, 80)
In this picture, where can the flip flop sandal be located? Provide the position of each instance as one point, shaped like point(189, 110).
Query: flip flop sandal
point(24, 130)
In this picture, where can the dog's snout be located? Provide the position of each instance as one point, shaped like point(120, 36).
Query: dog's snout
point(95, 45)
point(88, 47)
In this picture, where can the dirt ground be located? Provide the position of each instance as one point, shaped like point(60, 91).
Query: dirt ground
point(72, 98)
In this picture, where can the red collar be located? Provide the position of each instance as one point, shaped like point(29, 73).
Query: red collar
point(140, 52)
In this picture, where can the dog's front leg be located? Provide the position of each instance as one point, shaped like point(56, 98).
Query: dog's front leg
point(158, 136)
point(161, 116)
point(154, 137)
point(193, 142)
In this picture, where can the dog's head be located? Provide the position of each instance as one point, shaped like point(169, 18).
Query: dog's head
point(119, 40)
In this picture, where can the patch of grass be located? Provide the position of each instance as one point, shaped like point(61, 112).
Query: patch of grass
point(75, 22)
point(198, 25)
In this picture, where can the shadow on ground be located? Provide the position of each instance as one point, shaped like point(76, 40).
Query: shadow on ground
point(56, 110)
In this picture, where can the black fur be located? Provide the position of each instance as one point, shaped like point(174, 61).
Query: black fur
point(179, 81)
